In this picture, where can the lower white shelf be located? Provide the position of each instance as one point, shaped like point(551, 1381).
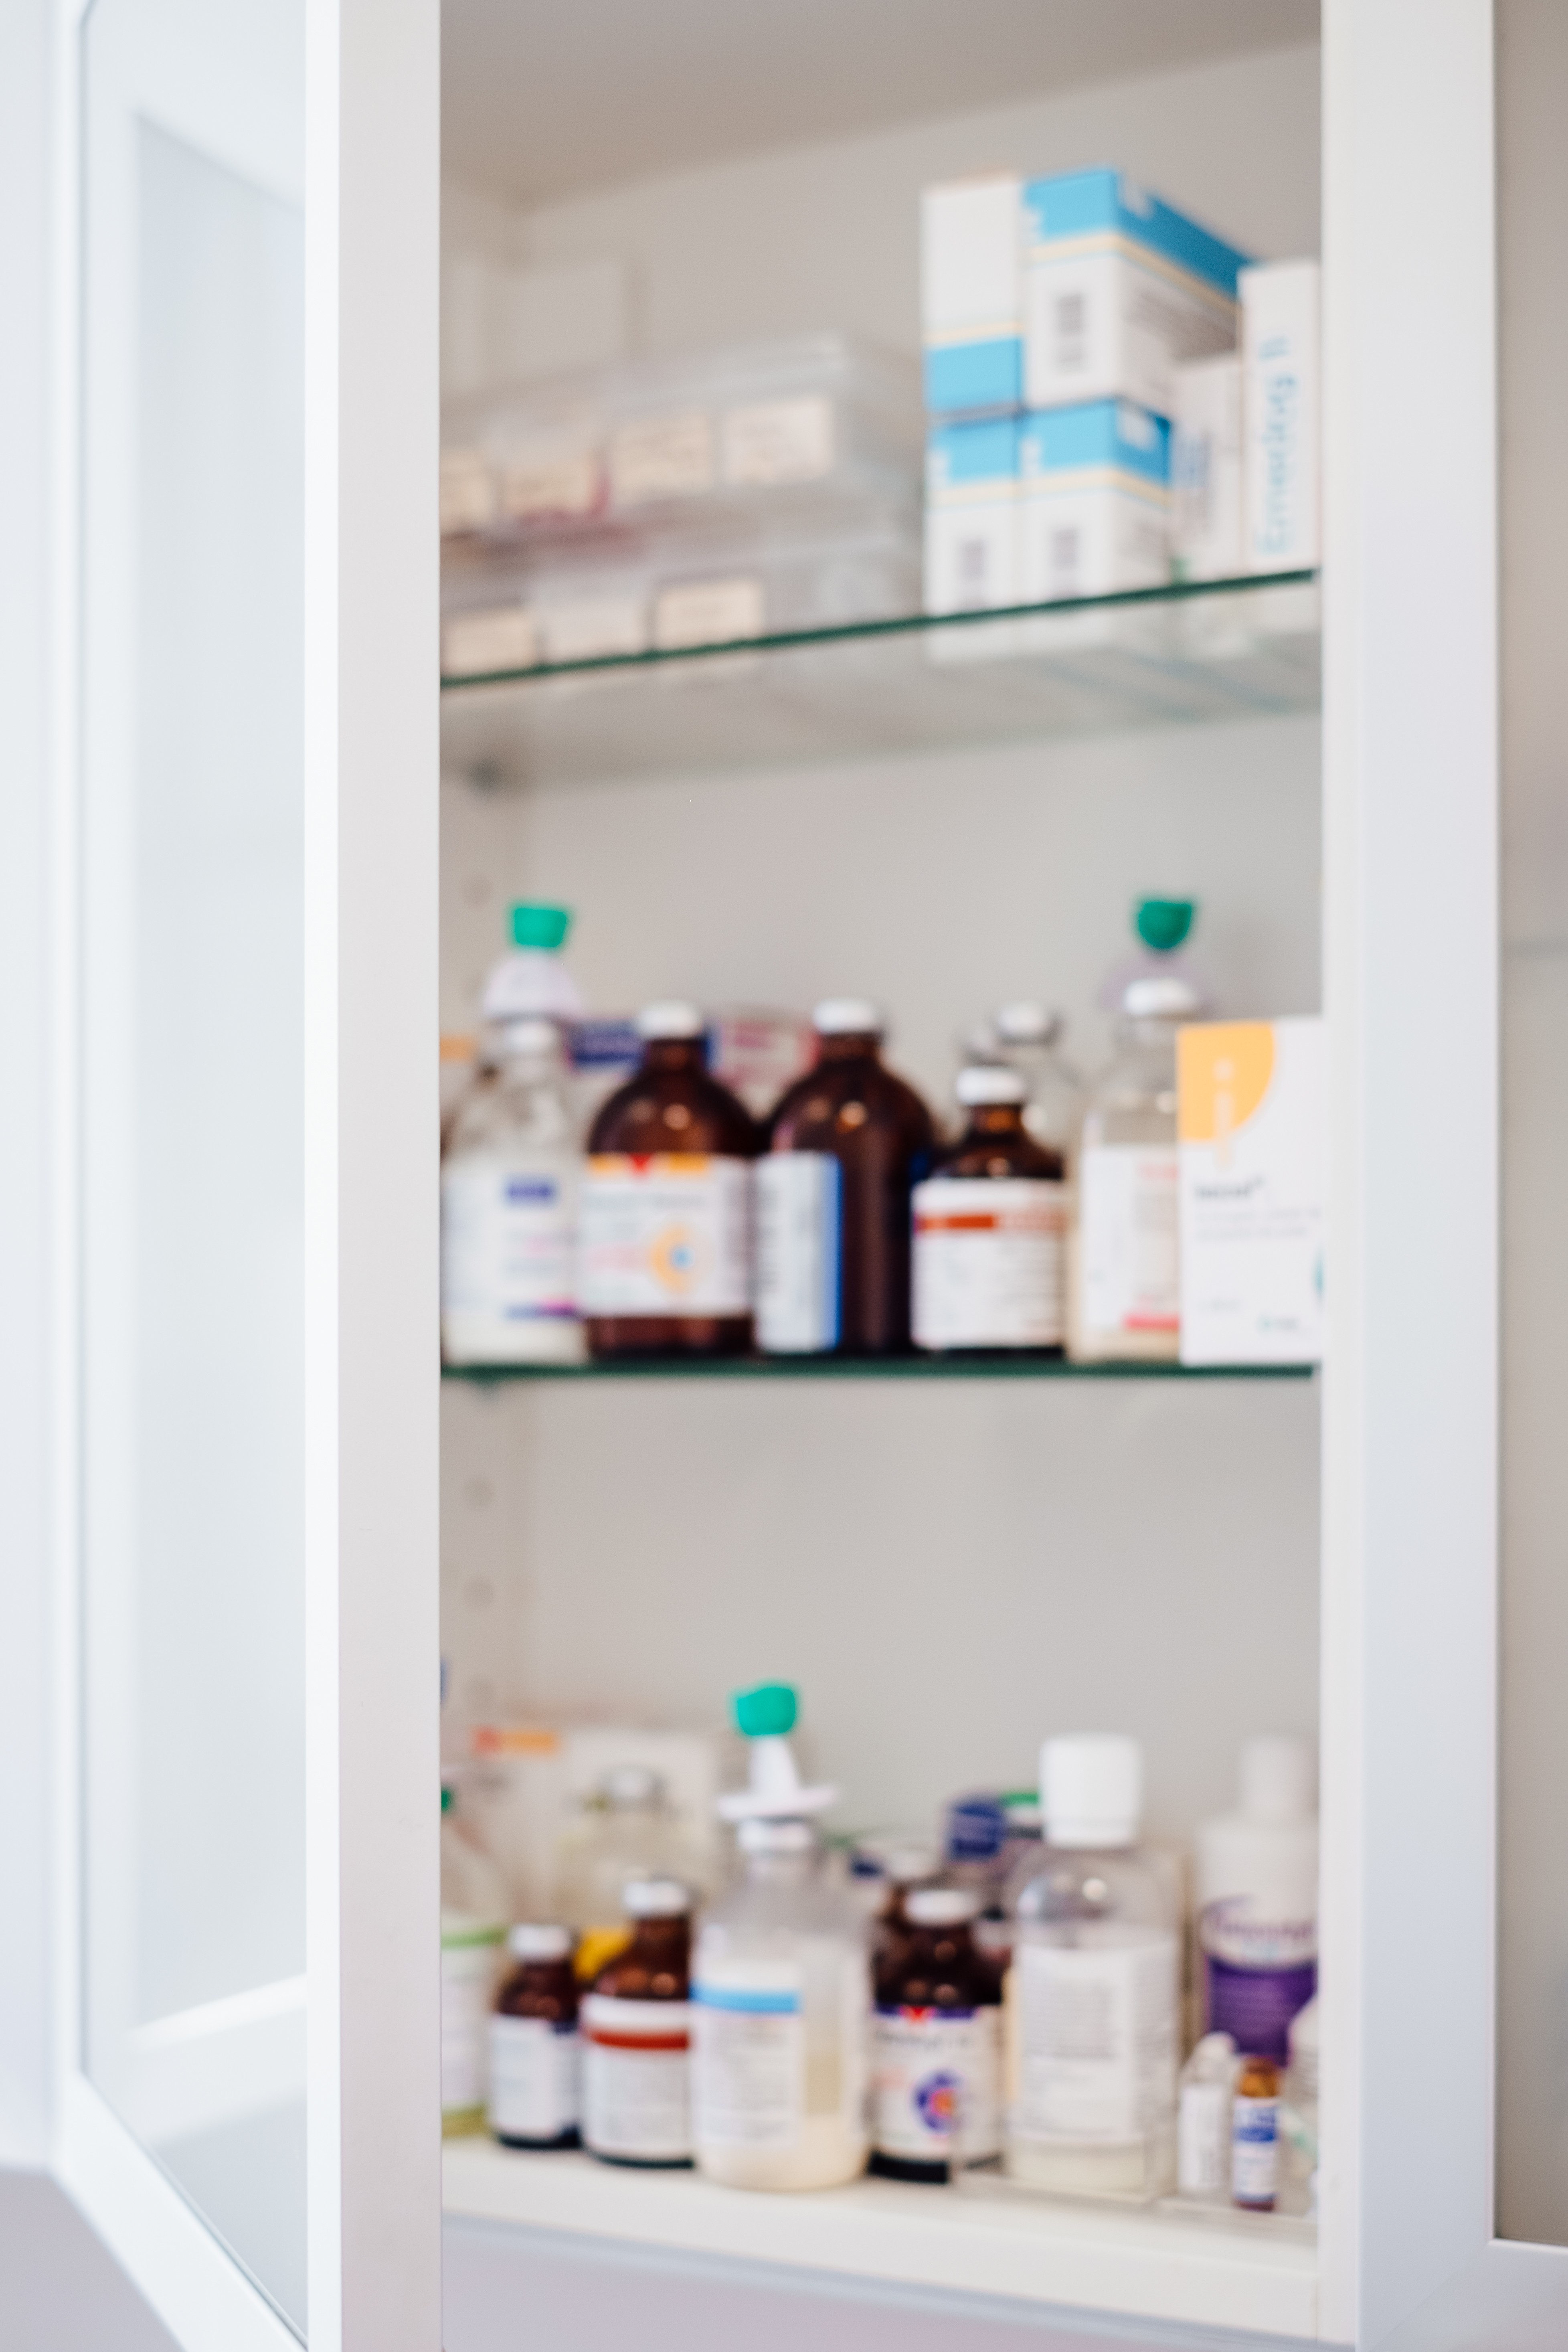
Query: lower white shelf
point(1206, 2271)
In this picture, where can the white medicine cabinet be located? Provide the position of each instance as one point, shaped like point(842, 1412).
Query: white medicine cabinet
point(283, 847)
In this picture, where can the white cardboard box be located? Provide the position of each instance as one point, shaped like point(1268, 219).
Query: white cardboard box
point(972, 516)
point(1093, 502)
point(1208, 538)
point(972, 295)
point(1281, 414)
point(1252, 1108)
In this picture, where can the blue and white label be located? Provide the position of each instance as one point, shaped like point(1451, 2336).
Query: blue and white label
point(799, 1223)
point(1255, 2152)
point(747, 2055)
point(508, 1256)
point(935, 2075)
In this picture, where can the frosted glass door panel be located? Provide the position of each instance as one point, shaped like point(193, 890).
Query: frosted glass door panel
point(1532, 1976)
point(192, 1108)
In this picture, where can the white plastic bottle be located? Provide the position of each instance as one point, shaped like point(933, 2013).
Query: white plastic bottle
point(473, 1939)
point(780, 1987)
point(1095, 1986)
point(1258, 1900)
point(511, 1175)
point(1205, 2100)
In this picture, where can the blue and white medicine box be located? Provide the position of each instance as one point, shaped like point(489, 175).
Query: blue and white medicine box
point(972, 296)
point(972, 515)
point(1118, 289)
point(1094, 504)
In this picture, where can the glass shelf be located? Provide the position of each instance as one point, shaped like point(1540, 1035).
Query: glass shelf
point(1191, 653)
point(871, 1368)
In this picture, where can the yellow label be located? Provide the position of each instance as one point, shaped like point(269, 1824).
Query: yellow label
point(1222, 1070)
point(597, 1946)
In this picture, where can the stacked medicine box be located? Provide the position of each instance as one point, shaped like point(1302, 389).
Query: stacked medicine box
point(1084, 359)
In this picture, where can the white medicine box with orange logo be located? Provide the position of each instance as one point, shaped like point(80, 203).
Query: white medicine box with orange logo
point(1251, 1114)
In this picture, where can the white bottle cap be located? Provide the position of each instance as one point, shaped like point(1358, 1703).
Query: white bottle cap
point(529, 1037)
point(1091, 1790)
point(940, 1906)
point(1278, 1779)
point(847, 1016)
point(1164, 998)
point(989, 1082)
point(654, 1898)
point(776, 1837)
point(534, 1943)
point(669, 1018)
point(1027, 1024)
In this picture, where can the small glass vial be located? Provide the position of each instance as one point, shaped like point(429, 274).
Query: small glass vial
point(990, 1225)
point(1095, 1937)
point(510, 1174)
point(1254, 2137)
point(636, 2026)
point(665, 1238)
point(936, 2044)
point(780, 2015)
point(534, 2062)
point(1028, 1038)
point(1204, 2119)
point(1125, 1296)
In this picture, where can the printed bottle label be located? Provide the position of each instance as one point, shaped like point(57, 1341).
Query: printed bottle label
point(468, 1965)
point(1258, 1971)
point(534, 2078)
point(669, 1234)
point(1096, 2032)
point(1203, 2138)
point(1127, 1217)
point(935, 2083)
point(507, 1243)
point(1255, 2151)
point(799, 1196)
point(988, 1268)
point(748, 2056)
point(636, 2078)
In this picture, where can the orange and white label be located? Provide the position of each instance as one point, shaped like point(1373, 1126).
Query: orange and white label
point(988, 1262)
point(666, 1234)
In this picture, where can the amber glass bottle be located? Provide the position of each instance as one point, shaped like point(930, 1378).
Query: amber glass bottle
point(533, 2043)
point(666, 1239)
point(990, 1227)
point(637, 2036)
point(846, 1144)
point(936, 2043)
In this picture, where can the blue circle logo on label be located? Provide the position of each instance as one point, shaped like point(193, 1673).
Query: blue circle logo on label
point(936, 2100)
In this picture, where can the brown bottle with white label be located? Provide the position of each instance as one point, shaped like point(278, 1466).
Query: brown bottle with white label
point(990, 1230)
point(664, 1240)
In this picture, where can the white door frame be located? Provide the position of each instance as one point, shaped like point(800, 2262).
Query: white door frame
point(370, 174)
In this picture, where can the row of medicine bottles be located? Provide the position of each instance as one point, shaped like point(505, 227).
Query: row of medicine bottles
point(841, 1223)
point(791, 2032)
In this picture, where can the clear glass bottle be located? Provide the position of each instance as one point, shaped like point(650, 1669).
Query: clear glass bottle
point(780, 2020)
point(510, 1171)
point(1027, 1037)
point(473, 1936)
point(1125, 1295)
point(623, 1831)
point(1095, 1935)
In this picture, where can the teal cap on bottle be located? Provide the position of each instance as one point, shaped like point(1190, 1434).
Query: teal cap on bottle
point(768, 1712)
point(537, 926)
point(1163, 923)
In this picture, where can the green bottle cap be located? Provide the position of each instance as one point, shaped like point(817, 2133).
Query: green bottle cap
point(536, 925)
point(446, 1801)
point(1163, 923)
point(766, 1712)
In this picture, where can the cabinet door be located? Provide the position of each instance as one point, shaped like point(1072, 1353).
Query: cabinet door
point(246, 267)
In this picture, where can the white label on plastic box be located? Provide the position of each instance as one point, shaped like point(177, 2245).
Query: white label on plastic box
point(747, 2055)
point(593, 628)
point(670, 1234)
point(1097, 2039)
point(1128, 1238)
point(477, 644)
point(1252, 1113)
point(669, 456)
point(798, 1225)
point(709, 613)
point(769, 442)
point(988, 1262)
point(467, 492)
point(551, 481)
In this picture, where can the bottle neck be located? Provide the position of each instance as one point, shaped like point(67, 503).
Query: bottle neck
point(668, 1053)
point(654, 1939)
point(781, 1869)
point(992, 1119)
point(850, 1045)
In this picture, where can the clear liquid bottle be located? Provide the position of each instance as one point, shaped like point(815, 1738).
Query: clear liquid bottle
point(624, 1831)
point(782, 1990)
point(511, 1173)
point(1096, 1939)
point(1027, 1037)
point(473, 1937)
